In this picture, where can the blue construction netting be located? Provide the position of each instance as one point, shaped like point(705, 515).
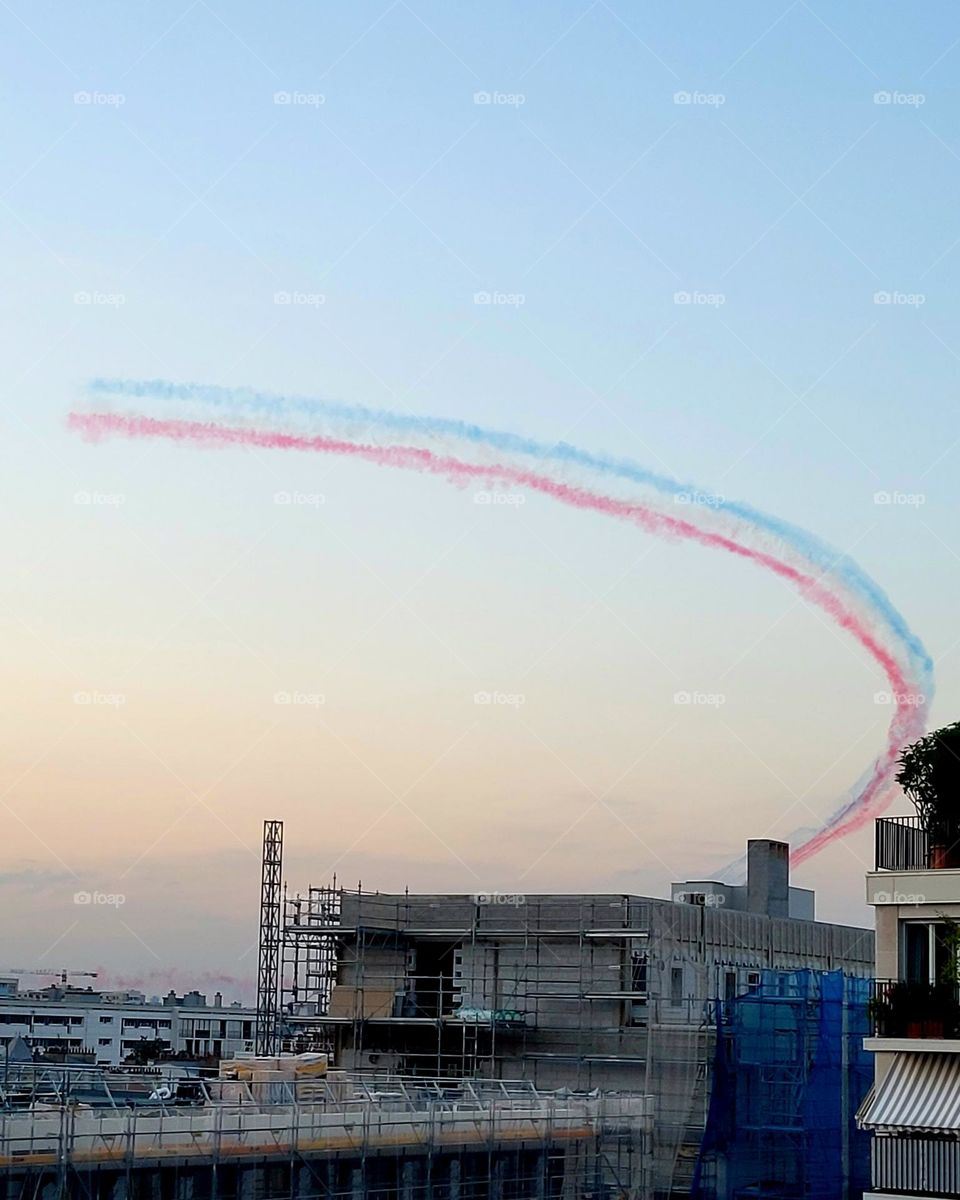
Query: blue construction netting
point(790, 1072)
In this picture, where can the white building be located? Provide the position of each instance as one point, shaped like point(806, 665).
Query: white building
point(109, 1026)
point(914, 1108)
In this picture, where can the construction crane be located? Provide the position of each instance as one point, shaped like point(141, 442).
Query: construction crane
point(63, 973)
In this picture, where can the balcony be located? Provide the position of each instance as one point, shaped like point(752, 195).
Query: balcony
point(904, 844)
point(916, 1165)
point(914, 1010)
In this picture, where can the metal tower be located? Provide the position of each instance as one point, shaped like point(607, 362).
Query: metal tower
point(268, 965)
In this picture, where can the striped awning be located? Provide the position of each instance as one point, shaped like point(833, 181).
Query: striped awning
point(920, 1092)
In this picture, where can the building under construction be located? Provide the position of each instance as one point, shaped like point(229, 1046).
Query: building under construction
point(66, 1135)
point(609, 992)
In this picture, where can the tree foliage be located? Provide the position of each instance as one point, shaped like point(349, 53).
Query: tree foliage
point(930, 775)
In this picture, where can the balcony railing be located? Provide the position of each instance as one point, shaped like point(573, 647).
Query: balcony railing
point(902, 844)
point(899, 1009)
point(917, 1165)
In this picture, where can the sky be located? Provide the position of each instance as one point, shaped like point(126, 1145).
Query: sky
point(719, 240)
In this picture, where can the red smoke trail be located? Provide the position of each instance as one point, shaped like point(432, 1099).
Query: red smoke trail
point(872, 798)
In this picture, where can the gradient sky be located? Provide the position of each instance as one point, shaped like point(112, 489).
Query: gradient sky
point(147, 232)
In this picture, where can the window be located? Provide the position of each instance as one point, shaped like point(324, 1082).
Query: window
point(104, 1041)
point(676, 987)
point(730, 985)
point(924, 951)
point(106, 1020)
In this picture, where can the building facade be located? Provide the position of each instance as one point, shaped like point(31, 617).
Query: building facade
point(109, 1027)
point(612, 992)
point(914, 1109)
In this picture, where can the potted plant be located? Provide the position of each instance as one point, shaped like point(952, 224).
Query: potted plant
point(894, 1012)
point(930, 775)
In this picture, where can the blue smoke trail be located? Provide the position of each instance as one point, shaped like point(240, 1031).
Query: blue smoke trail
point(813, 549)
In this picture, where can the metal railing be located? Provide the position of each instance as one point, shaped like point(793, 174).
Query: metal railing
point(899, 1009)
point(916, 1165)
point(902, 844)
point(360, 1115)
point(907, 844)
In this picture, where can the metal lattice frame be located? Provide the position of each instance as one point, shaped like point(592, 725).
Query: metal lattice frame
point(268, 965)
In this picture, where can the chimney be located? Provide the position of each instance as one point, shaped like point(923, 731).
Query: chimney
point(768, 877)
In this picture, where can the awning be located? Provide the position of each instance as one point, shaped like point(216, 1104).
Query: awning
point(920, 1092)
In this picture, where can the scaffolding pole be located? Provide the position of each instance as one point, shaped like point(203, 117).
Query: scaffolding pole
point(268, 964)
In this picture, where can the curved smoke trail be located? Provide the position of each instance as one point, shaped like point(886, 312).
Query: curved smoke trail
point(872, 795)
point(276, 407)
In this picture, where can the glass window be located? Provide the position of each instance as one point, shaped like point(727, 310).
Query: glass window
point(925, 951)
point(676, 987)
point(916, 952)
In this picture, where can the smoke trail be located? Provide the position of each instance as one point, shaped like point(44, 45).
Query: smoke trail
point(745, 518)
point(908, 719)
point(162, 979)
point(812, 549)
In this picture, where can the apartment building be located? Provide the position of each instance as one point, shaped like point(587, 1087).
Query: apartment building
point(108, 1027)
point(914, 1108)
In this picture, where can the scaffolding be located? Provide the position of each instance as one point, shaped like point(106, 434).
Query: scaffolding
point(614, 992)
point(353, 1136)
point(522, 983)
point(789, 1075)
point(308, 967)
point(268, 963)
